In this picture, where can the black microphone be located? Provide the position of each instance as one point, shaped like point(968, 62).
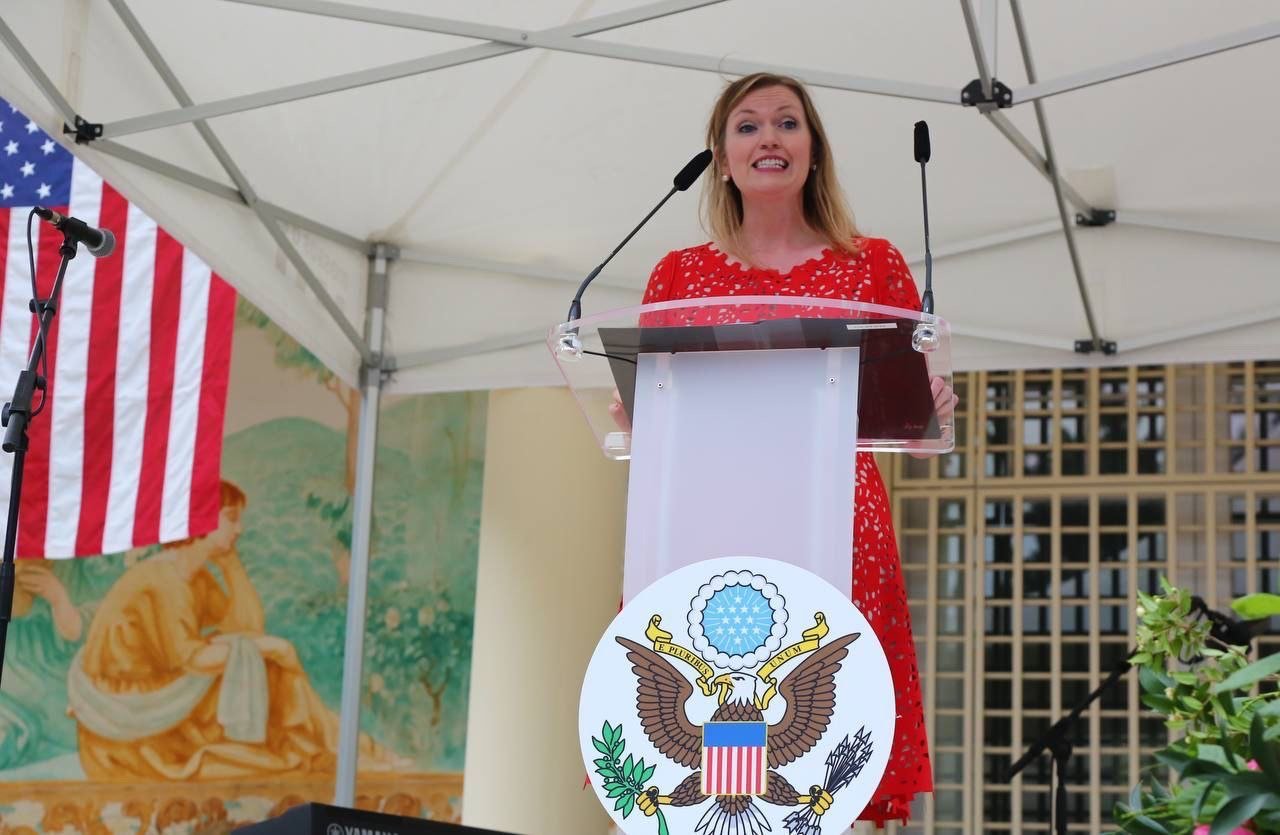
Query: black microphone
point(923, 152)
point(685, 178)
point(97, 242)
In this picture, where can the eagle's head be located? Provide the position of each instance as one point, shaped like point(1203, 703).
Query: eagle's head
point(737, 688)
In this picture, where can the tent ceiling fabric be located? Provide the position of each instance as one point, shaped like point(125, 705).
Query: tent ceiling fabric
point(503, 181)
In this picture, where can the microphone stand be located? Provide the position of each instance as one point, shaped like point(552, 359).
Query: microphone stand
point(15, 418)
point(1059, 746)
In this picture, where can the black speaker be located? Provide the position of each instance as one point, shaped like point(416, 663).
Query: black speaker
point(322, 819)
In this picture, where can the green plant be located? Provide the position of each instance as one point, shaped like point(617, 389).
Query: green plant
point(1223, 774)
point(623, 781)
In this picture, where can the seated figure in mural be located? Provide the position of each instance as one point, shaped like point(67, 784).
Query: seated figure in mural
point(43, 636)
point(178, 680)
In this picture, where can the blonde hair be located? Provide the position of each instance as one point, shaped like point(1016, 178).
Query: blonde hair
point(825, 208)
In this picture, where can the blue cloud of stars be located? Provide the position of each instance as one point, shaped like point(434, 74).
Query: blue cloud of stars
point(737, 620)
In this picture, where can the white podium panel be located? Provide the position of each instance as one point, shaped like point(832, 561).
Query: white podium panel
point(743, 453)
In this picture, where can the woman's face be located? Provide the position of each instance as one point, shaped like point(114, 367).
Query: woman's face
point(767, 145)
point(228, 530)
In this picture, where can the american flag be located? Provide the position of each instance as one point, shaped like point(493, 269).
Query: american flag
point(127, 449)
point(734, 758)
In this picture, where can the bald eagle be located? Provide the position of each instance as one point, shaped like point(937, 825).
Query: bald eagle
point(661, 695)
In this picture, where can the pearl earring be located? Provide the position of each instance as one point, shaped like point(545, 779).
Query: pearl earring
point(813, 167)
point(724, 177)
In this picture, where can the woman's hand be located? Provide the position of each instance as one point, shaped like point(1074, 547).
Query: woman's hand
point(945, 400)
point(278, 650)
point(619, 412)
point(38, 580)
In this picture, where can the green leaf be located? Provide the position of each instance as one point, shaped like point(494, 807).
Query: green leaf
point(1215, 754)
point(629, 805)
point(1153, 681)
point(1185, 678)
point(1135, 798)
point(1140, 658)
point(1204, 768)
point(1246, 782)
point(1235, 812)
point(628, 769)
point(1261, 750)
point(615, 790)
point(1250, 675)
point(1146, 826)
point(600, 746)
point(1257, 606)
point(1200, 799)
point(648, 772)
point(1176, 760)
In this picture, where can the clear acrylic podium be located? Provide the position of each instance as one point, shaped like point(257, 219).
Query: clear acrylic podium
point(741, 417)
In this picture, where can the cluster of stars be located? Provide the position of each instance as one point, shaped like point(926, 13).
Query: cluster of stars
point(737, 620)
point(28, 168)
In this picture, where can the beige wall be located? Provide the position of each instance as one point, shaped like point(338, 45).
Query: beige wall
point(551, 545)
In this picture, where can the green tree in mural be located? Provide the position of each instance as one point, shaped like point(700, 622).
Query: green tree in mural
point(333, 506)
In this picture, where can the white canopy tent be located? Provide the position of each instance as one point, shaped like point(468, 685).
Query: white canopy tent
point(415, 198)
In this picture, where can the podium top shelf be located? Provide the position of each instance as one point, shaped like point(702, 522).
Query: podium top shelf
point(901, 352)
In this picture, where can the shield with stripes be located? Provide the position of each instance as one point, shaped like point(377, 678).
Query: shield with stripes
point(734, 758)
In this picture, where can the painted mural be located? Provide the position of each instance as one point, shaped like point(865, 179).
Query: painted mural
point(195, 686)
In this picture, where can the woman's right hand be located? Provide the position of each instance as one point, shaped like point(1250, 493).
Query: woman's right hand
point(619, 412)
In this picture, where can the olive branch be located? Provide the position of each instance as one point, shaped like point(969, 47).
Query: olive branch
point(623, 780)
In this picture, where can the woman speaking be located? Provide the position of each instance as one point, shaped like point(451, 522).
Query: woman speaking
point(780, 226)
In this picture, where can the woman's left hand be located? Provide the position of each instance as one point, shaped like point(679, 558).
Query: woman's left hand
point(945, 400)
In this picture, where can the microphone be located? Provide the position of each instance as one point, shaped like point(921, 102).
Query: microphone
point(923, 152)
point(97, 242)
point(686, 177)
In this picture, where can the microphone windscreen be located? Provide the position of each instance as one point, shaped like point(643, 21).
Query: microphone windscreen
point(922, 142)
point(105, 248)
point(692, 170)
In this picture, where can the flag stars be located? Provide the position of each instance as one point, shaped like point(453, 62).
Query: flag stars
point(44, 191)
point(28, 169)
point(11, 148)
point(6, 191)
point(32, 127)
point(47, 147)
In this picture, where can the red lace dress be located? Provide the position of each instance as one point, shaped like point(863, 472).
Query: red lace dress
point(876, 273)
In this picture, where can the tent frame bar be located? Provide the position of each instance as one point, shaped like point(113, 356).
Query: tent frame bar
point(391, 72)
point(433, 356)
point(28, 62)
point(1096, 342)
point(227, 193)
point(558, 41)
point(370, 387)
point(246, 189)
point(1145, 63)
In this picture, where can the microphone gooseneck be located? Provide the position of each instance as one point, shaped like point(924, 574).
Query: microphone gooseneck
point(922, 152)
point(686, 177)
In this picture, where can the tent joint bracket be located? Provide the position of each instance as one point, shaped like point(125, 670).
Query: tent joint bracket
point(1089, 346)
point(382, 365)
point(971, 95)
point(1096, 217)
point(84, 130)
